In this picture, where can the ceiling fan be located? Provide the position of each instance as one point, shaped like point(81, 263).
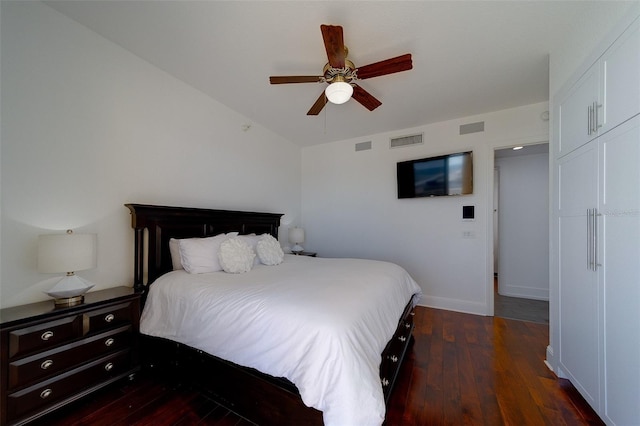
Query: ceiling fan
point(341, 74)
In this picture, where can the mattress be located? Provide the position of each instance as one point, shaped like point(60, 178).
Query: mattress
point(320, 323)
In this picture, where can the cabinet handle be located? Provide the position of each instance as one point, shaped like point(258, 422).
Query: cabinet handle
point(385, 382)
point(393, 358)
point(109, 317)
point(46, 364)
point(402, 338)
point(47, 335)
point(595, 116)
point(407, 325)
point(108, 367)
point(109, 342)
point(46, 393)
point(592, 239)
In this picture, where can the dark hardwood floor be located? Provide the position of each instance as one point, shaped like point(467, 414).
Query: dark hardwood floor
point(461, 370)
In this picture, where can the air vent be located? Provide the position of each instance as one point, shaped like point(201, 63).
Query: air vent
point(465, 129)
point(406, 141)
point(363, 146)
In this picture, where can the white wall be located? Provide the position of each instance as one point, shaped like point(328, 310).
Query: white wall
point(524, 226)
point(88, 127)
point(350, 206)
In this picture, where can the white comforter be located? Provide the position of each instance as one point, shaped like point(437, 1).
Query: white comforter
point(321, 323)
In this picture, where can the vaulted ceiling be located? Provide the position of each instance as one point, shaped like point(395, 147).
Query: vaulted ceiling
point(469, 57)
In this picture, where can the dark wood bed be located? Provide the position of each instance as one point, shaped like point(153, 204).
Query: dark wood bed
point(261, 398)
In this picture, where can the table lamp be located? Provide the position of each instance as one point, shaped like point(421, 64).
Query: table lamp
point(296, 237)
point(68, 253)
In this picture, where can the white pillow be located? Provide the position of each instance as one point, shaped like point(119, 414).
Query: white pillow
point(269, 250)
point(252, 240)
point(174, 249)
point(200, 255)
point(236, 256)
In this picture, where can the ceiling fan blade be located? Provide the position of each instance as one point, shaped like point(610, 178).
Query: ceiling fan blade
point(334, 44)
point(389, 66)
point(320, 103)
point(285, 79)
point(365, 98)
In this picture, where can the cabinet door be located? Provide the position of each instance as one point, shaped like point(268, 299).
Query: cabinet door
point(620, 67)
point(579, 337)
point(574, 113)
point(620, 272)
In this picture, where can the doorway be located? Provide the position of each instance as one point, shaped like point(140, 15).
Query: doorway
point(521, 233)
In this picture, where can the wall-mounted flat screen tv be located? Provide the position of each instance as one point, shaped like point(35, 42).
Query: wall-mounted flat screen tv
point(430, 177)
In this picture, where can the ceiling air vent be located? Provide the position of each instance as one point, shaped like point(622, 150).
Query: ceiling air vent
point(406, 141)
point(363, 146)
point(465, 129)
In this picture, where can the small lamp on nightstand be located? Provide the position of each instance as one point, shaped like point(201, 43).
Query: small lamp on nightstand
point(67, 253)
point(296, 237)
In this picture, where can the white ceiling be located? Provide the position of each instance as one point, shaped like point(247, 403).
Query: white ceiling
point(469, 57)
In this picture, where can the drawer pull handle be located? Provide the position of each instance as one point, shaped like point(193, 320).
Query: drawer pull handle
point(402, 338)
point(407, 325)
point(108, 367)
point(46, 364)
point(46, 393)
point(47, 335)
point(385, 382)
point(109, 342)
point(109, 317)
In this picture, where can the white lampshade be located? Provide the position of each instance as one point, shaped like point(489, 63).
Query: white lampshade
point(66, 252)
point(339, 91)
point(296, 237)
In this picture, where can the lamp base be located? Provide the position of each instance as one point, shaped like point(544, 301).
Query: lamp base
point(297, 248)
point(65, 302)
point(69, 287)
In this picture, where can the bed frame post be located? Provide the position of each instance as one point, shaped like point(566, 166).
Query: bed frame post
point(138, 268)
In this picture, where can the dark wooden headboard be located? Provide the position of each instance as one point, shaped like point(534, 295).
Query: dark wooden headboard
point(152, 257)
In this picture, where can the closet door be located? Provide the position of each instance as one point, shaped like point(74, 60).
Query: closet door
point(575, 112)
point(578, 283)
point(620, 271)
point(620, 68)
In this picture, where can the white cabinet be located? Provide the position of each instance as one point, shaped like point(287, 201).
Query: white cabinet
point(576, 113)
point(620, 76)
point(599, 272)
point(604, 97)
point(578, 285)
point(619, 275)
point(596, 238)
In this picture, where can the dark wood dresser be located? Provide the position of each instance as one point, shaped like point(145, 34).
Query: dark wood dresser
point(50, 357)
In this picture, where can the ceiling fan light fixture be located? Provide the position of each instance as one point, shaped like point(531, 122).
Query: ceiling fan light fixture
point(339, 91)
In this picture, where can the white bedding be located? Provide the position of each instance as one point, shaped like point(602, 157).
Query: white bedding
point(321, 323)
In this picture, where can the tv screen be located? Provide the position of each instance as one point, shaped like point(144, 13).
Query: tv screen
point(430, 177)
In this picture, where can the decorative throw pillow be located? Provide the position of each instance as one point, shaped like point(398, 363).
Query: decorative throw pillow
point(200, 255)
point(236, 256)
point(269, 250)
point(252, 240)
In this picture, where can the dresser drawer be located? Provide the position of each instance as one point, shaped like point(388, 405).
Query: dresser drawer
point(44, 336)
point(25, 371)
point(109, 317)
point(22, 403)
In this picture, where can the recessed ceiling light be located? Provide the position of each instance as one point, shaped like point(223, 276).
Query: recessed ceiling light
point(515, 148)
